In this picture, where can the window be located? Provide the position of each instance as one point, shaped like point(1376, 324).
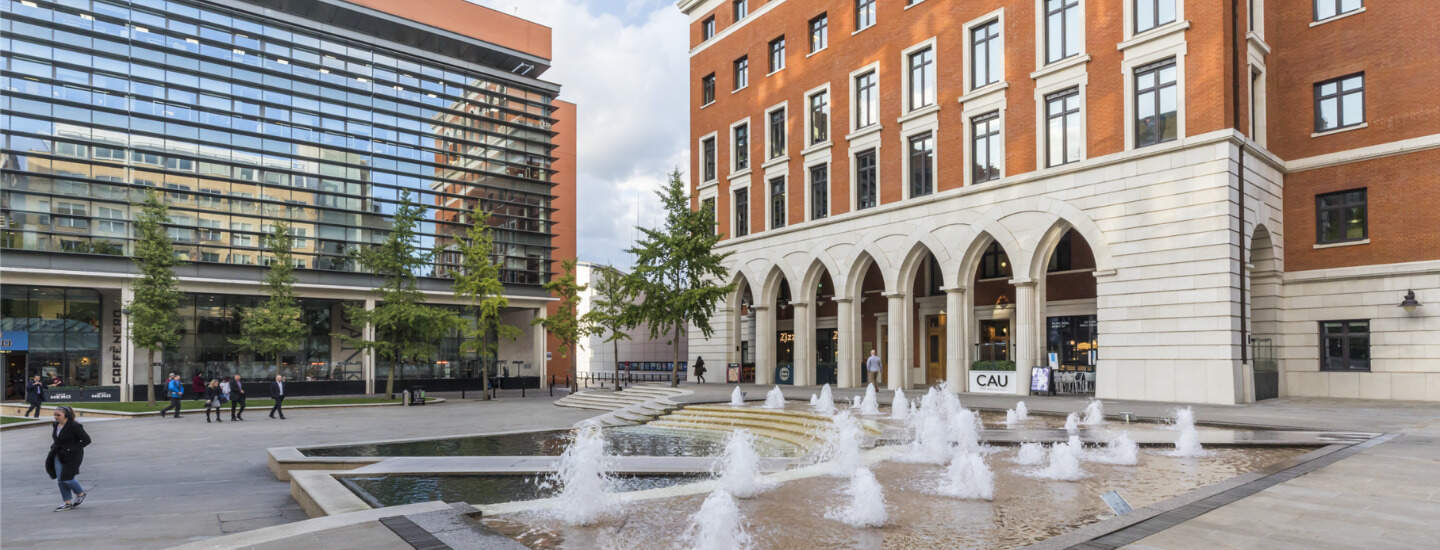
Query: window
point(777, 203)
point(864, 14)
point(1340, 102)
point(1345, 345)
point(865, 192)
point(819, 33)
point(922, 78)
point(1155, 103)
point(819, 192)
point(1153, 13)
point(777, 133)
point(742, 212)
point(707, 206)
point(742, 72)
point(742, 147)
point(777, 54)
point(1325, 9)
point(1254, 103)
point(1062, 29)
point(985, 147)
point(1341, 217)
point(707, 89)
point(922, 172)
point(994, 263)
point(985, 54)
point(742, 8)
point(819, 117)
point(867, 102)
point(708, 147)
point(1063, 134)
point(707, 29)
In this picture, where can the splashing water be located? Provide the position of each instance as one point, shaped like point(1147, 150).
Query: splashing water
point(775, 399)
point(737, 397)
point(1120, 450)
point(940, 423)
point(1063, 464)
point(854, 401)
point(865, 506)
point(1030, 454)
point(968, 477)
point(1011, 418)
point(718, 526)
point(1072, 423)
point(899, 406)
point(739, 466)
point(842, 444)
point(826, 402)
point(966, 427)
point(1022, 413)
point(1075, 443)
point(585, 495)
point(814, 400)
point(870, 405)
point(1094, 413)
point(1187, 443)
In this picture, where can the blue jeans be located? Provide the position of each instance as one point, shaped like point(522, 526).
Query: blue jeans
point(66, 487)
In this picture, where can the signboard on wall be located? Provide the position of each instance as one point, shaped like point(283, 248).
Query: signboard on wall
point(732, 373)
point(992, 381)
point(86, 394)
point(14, 340)
point(1040, 379)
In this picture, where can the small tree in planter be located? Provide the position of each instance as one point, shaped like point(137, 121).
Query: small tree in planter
point(607, 310)
point(275, 326)
point(478, 279)
point(565, 325)
point(154, 322)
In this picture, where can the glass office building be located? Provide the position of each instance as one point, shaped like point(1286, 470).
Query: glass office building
point(327, 118)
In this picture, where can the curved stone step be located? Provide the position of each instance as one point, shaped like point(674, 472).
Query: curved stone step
point(784, 436)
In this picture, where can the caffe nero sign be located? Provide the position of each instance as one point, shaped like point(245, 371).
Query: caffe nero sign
point(82, 394)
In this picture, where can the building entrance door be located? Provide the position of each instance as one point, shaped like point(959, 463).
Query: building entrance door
point(1267, 373)
point(826, 355)
point(934, 349)
point(14, 375)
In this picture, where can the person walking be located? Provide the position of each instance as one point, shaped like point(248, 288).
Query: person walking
point(237, 396)
point(67, 450)
point(214, 399)
point(872, 366)
point(34, 395)
point(176, 390)
point(700, 369)
point(197, 385)
point(277, 392)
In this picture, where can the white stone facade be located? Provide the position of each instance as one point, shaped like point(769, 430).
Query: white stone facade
point(595, 355)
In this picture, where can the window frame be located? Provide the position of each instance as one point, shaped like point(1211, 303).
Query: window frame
point(926, 74)
point(823, 32)
point(1065, 10)
point(777, 62)
point(707, 89)
point(1339, 96)
point(1340, 211)
point(778, 217)
point(740, 9)
point(1158, 88)
point(709, 164)
point(811, 120)
point(819, 190)
point(740, 73)
point(707, 28)
point(1315, 6)
point(1347, 335)
point(740, 213)
point(992, 44)
point(1064, 133)
point(871, 105)
point(976, 138)
point(1155, 21)
point(873, 179)
point(777, 138)
point(863, 8)
point(921, 163)
point(740, 146)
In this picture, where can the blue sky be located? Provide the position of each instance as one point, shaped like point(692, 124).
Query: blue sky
point(625, 64)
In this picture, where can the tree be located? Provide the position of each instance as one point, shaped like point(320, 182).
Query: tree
point(676, 270)
point(154, 321)
point(405, 328)
point(275, 326)
point(478, 279)
point(565, 325)
point(607, 310)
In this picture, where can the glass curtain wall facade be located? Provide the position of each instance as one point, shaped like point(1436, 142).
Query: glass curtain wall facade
point(239, 121)
point(61, 328)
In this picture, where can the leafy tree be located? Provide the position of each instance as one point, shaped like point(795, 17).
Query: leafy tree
point(406, 329)
point(478, 279)
point(607, 310)
point(676, 270)
point(565, 325)
point(275, 326)
point(154, 321)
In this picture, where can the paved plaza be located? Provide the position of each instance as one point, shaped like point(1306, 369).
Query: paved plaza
point(161, 482)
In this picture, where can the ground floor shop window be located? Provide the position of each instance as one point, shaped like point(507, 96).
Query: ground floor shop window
point(51, 332)
point(1345, 345)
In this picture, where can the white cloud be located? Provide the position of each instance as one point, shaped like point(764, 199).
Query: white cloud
point(629, 79)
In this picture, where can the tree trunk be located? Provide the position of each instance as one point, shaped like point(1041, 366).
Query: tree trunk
point(574, 384)
point(615, 344)
point(277, 363)
point(675, 367)
point(390, 380)
point(485, 374)
point(150, 378)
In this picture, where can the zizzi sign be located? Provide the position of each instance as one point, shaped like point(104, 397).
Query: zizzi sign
point(992, 381)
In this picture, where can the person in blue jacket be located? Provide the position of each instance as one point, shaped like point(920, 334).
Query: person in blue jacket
point(176, 391)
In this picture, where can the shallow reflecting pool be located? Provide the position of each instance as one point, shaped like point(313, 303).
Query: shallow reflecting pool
point(392, 490)
point(622, 441)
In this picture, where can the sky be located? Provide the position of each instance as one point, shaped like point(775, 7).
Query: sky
point(625, 64)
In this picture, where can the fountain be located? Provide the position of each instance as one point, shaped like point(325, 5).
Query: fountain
point(1022, 412)
point(1072, 423)
point(870, 405)
point(1187, 443)
point(1011, 418)
point(842, 444)
point(899, 406)
point(1094, 413)
point(939, 423)
point(1119, 450)
point(1030, 454)
point(854, 401)
point(966, 427)
point(814, 400)
point(737, 398)
point(585, 487)
point(717, 525)
point(968, 477)
point(1063, 464)
point(826, 402)
point(739, 466)
point(866, 506)
point(775, 399)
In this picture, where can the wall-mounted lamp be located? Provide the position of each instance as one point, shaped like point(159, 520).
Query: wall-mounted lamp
point(1409, 303)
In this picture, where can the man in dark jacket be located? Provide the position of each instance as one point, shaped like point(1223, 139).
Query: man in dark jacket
point(237, 397)
point(34, 395)
point(277, 392)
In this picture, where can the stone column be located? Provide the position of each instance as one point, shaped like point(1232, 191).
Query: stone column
point(764, 345)
point(1024, 337)
point(895, 340)
point(804, 344)
point(1040, 338)
point(846, 374)
point(368, 366)
point(957, 317)
point(540, 364)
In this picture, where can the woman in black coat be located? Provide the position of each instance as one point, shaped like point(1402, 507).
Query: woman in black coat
point(67, 451)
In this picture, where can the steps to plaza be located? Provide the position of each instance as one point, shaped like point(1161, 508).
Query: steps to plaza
point(800, 428)
point(633, 405)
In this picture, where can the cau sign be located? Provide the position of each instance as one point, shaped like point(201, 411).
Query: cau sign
point(992, 381)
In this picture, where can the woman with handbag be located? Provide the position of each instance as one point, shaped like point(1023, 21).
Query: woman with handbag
point(214, 399)
point(67, 450)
